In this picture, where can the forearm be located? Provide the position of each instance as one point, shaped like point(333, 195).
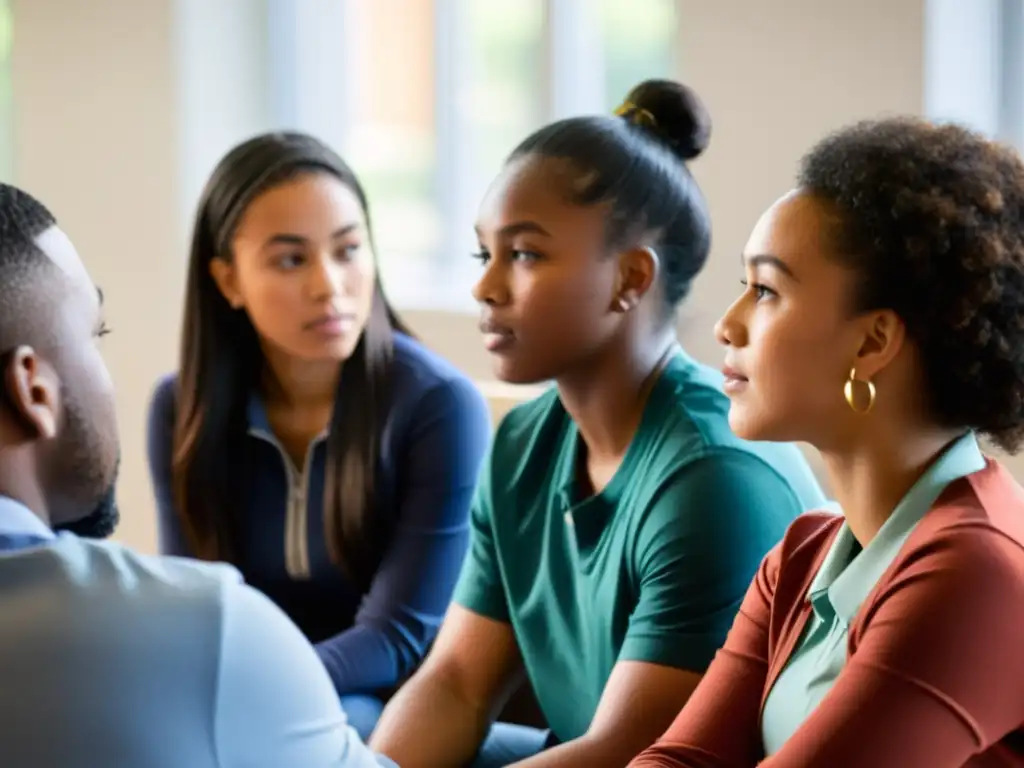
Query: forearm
point(429, 724)
point(588, 751)
point(360, 659)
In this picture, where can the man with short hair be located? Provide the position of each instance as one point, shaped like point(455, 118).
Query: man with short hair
point(108, 657)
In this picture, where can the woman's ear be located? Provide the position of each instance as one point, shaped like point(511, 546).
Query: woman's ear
point(225, 276)
point(638, 271)
point(32, 392)
point(884, 335)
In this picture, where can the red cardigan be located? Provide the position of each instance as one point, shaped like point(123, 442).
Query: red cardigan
point(935, 667)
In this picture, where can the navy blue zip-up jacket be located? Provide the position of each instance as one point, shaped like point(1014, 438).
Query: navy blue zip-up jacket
point(433, 443)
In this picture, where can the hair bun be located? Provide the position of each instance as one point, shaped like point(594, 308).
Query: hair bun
point(681, 121)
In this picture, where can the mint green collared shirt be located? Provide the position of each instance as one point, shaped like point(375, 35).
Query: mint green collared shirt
point(846, 577)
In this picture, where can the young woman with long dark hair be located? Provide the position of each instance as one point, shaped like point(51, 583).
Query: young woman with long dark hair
point(307, 437)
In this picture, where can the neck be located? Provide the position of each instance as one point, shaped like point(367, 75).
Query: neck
point(17, 482)
point(870, 479)
point(606, 400)
point(291, 383)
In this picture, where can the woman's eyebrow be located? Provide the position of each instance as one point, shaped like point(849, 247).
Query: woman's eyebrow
point(767, 259)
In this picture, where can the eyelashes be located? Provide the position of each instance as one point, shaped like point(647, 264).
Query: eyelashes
point(483, 256)
point(761, 290)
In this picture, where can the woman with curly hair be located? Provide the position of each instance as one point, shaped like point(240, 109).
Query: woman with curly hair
point(883, 322)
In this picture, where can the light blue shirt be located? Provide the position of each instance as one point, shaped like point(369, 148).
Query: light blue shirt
point(840, 587)
point(109, 658)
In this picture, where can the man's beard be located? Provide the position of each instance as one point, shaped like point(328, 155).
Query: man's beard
point(102, 521)
point(83, 455)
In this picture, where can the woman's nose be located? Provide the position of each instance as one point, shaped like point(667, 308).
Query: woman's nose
point(728, 331)
point(490, 288)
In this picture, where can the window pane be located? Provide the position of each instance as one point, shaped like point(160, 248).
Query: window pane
point(506, 83)
point(638, 37)
point(493, 95)
point(391, 139)
point(502, 101)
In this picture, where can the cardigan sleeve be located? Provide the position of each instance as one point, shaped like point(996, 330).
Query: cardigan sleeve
point(159, 447)
point(935, 676)
point(413, 587)
point(274, 705)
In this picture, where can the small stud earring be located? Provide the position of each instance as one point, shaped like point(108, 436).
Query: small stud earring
point(624, 304)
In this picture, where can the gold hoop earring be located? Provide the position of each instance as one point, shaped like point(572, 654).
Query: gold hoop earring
point(851, 396)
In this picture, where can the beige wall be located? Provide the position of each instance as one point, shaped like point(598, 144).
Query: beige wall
point(96, 137)
point(109, 134)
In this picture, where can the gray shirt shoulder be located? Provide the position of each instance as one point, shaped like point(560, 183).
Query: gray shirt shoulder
point(113, 658)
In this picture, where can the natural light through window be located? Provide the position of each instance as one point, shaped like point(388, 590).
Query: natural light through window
point(445, 89)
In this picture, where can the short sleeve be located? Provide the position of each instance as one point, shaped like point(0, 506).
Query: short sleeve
point(480, 587)
point(276, 705)
point(719, 725)
point(700, 544)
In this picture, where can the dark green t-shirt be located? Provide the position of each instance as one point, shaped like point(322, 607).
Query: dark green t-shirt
point(651, 569)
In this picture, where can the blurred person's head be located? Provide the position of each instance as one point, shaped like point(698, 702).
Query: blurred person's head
point(885, 292)
point(58, 428)
point(592, 235)
point(282, 282)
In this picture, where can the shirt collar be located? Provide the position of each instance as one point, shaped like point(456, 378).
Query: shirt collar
point(843, 583)
point(568, 482)
point(257, 414)
point(17, 519)
point(259, 424)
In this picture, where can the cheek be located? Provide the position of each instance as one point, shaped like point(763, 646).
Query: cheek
point(563, 304)
point(274, 304)
point(559, 319)
point(784, 348)
point(362, 279)
point(101, 371)
point(92, 403)
point(798, 363)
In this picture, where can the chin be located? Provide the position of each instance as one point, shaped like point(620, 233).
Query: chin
point(333, 352)
point(507, 371)
point(746, 425)
point(749, 425)
point(340, 348)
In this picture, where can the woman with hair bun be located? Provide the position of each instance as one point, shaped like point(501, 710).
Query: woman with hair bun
point(618, 519)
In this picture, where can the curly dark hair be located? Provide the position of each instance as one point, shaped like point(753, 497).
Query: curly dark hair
point(932, 218)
